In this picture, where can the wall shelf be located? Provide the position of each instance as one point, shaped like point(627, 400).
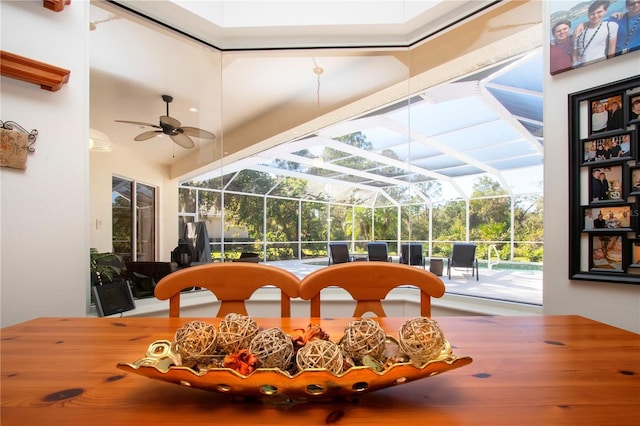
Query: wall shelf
point(55, 5)
point(48, 77)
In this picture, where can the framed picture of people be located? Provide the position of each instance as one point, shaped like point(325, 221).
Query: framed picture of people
point(607, 184)
point(635, 254)
point(633, 106)
point(609, 149)
point(603, 219)
point(604, 185)
point(605, 114)
point(608, 252)
point(585, 32)
point(634, 185)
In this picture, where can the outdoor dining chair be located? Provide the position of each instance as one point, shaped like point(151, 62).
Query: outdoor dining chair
point(463, 255)
point(339, 253)
point(378, 252)
point(248, 257)
point(231, 283)
point(411, 254)
point(368, 283)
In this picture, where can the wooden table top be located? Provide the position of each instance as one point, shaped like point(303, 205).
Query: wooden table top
point(538, 370)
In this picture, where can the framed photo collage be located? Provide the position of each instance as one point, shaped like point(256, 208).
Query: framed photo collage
point(604, 183)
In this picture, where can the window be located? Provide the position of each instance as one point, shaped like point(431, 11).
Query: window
point(133, 227)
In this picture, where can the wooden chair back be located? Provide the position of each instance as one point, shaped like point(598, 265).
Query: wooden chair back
point(369, 283)
point(231, 283)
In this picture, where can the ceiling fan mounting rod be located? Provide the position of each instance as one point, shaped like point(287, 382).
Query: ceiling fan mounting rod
point(167, 99)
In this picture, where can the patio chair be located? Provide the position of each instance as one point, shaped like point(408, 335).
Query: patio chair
point(144, 275)
point(369, 283)
point(463, 255)
point(231, 283)
point(248, 257)
point(411, 254)
point(378, 252)
point(339, 253)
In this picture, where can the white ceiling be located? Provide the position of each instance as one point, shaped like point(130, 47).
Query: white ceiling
point(262, 24)
point(135, 61)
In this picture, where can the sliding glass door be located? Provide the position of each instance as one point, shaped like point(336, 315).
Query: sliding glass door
point(133, 206)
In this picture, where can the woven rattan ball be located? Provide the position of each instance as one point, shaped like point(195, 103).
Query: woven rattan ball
point(235, 332)
point(421, 339)
point(320, 354)
point(273, 348)
point(195, 340)
point(363, 337)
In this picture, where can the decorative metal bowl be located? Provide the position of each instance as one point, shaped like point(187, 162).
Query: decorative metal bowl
point(308, 384)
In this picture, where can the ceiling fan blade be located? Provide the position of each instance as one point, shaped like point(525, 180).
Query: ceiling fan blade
point(169, 121)
point(147, 135)
point(198, 133)
point(183, 140)
point(139, 123)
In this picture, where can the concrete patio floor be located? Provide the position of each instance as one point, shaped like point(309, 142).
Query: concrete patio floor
point(521, 286)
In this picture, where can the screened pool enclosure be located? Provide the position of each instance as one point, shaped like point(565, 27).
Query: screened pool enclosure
point(461, 161)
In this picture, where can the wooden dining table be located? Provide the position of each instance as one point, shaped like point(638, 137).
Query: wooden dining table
point(533, 370)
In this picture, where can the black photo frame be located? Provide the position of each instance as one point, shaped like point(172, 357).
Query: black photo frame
point(608, 252)
point(608, 183)
point(634, 250)
point(606, 113)
point(607, 218)
point(634, 180)
point(609, 148)
point(589, 258)
point(632, 105)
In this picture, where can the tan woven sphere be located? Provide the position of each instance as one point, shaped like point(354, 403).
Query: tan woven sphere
point(273, 348)
point(195, 340)
point(364, 337)
point(235, 332)
point(421, 339)
point(320, 354)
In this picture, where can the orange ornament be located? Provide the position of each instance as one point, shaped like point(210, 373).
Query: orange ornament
point(312, 332)
point(244, 362)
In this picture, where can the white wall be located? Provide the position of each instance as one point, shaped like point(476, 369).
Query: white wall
point(44, 253)
point(615, 304)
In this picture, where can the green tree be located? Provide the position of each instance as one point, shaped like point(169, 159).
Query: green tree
point(489, 208)
point(386, 223)
point(415, 222)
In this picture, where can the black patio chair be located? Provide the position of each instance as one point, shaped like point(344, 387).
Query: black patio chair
point(411, 254)
point(378, 252)
point(463, 255)
point(339, 253)
point(248, 257)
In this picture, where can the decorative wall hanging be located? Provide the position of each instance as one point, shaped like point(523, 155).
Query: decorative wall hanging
point(15, 142)
point(604, 183)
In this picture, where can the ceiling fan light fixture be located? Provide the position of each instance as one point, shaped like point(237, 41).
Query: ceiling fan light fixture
point(98, 141)
point(171, 127)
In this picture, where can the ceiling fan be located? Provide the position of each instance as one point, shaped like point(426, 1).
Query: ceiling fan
point(171, 127)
